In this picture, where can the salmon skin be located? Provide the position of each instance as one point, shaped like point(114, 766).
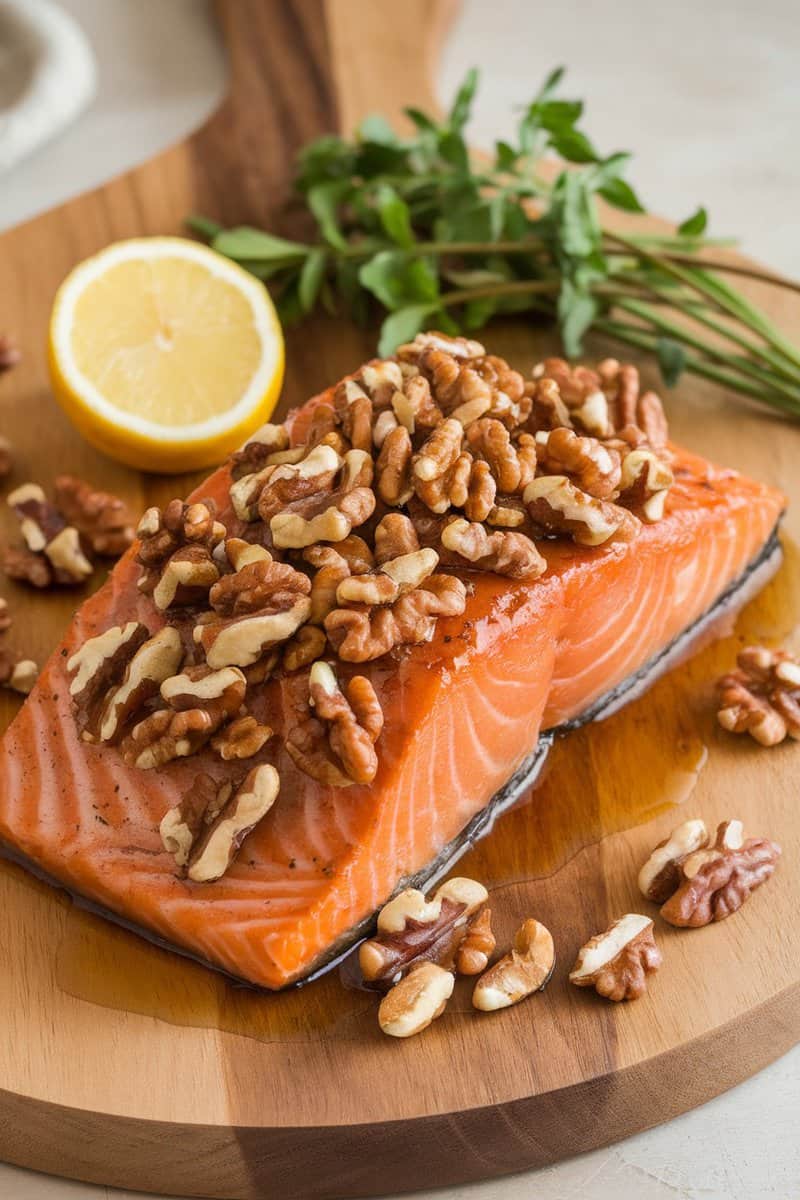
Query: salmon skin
point(469, 715)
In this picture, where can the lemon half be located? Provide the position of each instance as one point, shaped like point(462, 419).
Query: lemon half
point(164, 354)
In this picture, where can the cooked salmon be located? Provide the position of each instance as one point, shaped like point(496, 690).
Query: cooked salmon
point(462, 711)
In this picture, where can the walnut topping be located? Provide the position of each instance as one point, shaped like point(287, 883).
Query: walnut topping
point(441, 471)
point(262, 604)
point(412, 929)
point(329, 517)
point(337, 745)
point(258, 452)
point(716, 882)
point(198, 703)
point(489, 439)
point(18, 674)
point(242, 738)
point(394, 578)
point(504, 553)
point(417, 1000)
point(307, 645)
point(116, 673)
point(645, 480)
point(101, 518)
point(660, 875)
point(457, 347)
point(176, 550)
point(761, 697)
point(593, 468)
point(525, 969)
point(393, 468)
point(360, 635)
point(395, 536)
point(205, 831)
point(616, 963)
point(289, 484)
point(557, 506)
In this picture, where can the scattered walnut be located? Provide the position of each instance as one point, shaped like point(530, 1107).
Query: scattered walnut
point(504, 553)
point(360, 635)
point(660, 875)
point(23, 564)
point(645, 480)
point(206, 830)
point(262, 604)
point(307, 645)
point(46, 532)
point(472, 956)
point(412, 929)
point(525, 969)
point(616, 963)
point(592, 467)
point(6, 457)
point(9, 353)
point(716, 882)
point(102, 519)
point(762, 696)
point(242, 738)
point(417, 1000)
point(555, 505)
point(18, 674)
point(337, 745)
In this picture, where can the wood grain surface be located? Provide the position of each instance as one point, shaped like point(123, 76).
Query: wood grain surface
point(125, 1065)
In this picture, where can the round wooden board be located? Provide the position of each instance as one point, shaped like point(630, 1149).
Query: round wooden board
point(123, 1064)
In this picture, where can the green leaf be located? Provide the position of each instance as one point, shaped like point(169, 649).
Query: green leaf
point(422, 121)
point(573, 145)
point(694, 225)
point(395, 216)
point(397, 280)
point(550, 84)
point(459, 113)
point(453, 149)
point(403, 326)
point(478, 312)
point(375, 128)
point(671, 360)
point(621, 195)
point(576, 312)
point(311, 277)
point(505, 156)
point(245, 243)
point(203, 226)
point(328, 157)
point(324, 200)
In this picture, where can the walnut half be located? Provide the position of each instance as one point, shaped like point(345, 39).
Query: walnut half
point(336, 746)
point(525, 969)
point(716, 882)
point(616, 963)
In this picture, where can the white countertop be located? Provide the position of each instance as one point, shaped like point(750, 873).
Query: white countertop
point(707, 95)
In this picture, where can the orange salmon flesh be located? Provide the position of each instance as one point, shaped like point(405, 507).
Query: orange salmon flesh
point(462, 713)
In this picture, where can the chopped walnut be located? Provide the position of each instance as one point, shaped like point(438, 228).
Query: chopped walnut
point(307, 645)
point(393, 467)
point(46, 532)
point(504, 553)
point(716, 882)
point(206, 830)
point(645, 480)
point(762, 696)
point(337, 745)
point(176, 547)
point(590, 465)
point(472, 956)
point(261, 605)
point(524, 970)
point(616, 963)
point(6, 457)
point(360, 635)
point(242, 738)
point(23, 564)
point(556, 506)
point(102, 519)
point(417, 1000)
point(18, 674)
point(660, 875)
point(412, 929)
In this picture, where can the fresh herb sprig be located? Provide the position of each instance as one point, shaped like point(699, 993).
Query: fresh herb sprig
point(442, 239)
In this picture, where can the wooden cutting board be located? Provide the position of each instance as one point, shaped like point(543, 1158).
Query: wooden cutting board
point(125, 1065)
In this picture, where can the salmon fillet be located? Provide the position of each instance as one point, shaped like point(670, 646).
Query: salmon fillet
point(463, 714)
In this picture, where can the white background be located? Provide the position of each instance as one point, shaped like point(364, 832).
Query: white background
point(707, 95)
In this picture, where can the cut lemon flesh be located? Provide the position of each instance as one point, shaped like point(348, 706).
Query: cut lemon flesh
point(164, 354)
